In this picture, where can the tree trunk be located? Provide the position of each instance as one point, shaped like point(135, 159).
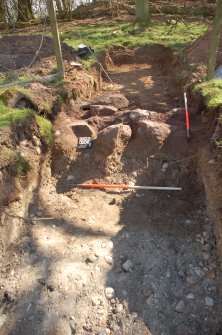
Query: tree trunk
point(214, 42)
point(142, 11)
point(24, 10)
point(2, 11)
point(59, 5)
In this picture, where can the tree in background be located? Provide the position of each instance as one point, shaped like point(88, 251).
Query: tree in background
point(214, 43)
point(2, 11)
point(142, 11)
point(25, 12)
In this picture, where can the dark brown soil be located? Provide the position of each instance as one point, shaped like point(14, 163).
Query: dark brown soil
point(17, 52)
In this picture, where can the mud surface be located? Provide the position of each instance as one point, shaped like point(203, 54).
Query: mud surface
point(102, 262)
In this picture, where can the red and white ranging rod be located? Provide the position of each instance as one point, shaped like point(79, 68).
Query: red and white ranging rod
point(187, 116)
point(102, 186)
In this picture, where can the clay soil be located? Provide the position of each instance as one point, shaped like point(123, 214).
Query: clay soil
point(66, 276)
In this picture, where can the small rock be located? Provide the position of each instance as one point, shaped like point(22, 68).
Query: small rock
point(134, 174)
point(36, 141)
point(206, 247)
point(211, 161)
point(57, 133)
point(209, 301)
point(24, 143)
point(127, 266)
point(102, 332)
point(181, 274)
point(164, 167)
point(180, 306)
point(109, 292)
point(91, 259)
point(110, 244)
point(95, 301)
point(168, 275)
point(150, 300)
point(70, 178)
point(38, 150)
point(3, 319)
point(119, 308)
point(39, 214)
point(205, 256)
point(109, 260)
point(134, 315)
point(198, 271)
point(190, 296)
point(191, 279)
point(112, 202)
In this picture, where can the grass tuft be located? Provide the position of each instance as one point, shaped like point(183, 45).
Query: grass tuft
point(9, 115)
point(211, 92)
point(45, 128)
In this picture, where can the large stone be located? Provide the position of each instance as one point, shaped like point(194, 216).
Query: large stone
point(117, 100)
point(83, 129)
point(102, 110)
point(112, 137)
point(139, 114)
point(155, 133)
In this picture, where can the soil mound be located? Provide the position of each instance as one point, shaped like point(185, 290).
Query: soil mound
point(198, 51)
point(17, 52)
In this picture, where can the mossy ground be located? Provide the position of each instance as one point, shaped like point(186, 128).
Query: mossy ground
point(211, 92)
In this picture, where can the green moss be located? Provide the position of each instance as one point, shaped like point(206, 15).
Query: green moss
point(211, 92)
point(45, 128)
point(9, 115)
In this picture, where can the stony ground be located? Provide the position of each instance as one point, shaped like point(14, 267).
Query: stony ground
point(102, 262)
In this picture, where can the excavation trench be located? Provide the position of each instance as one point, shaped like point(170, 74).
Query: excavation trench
point(124, 262)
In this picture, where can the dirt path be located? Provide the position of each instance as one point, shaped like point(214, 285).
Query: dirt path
point(96, 262)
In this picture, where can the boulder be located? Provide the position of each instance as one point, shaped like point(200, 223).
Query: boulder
point(113, 137)
point(102, 110)
point(83, 129)
point(139, 114)
point(155, 133)
point(117, 100)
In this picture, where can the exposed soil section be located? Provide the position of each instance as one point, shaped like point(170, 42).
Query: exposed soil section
point(124, 262)
point(18, 52)
point(144, 75)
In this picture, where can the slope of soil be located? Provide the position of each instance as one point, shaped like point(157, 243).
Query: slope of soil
point(18, 52)
point(103, 262)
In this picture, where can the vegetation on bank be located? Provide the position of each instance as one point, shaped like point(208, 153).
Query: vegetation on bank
point(211, 92)
point(10, 115)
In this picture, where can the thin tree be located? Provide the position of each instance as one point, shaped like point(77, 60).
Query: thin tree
point(215, 39)
point(142, 10)
point(25, 13)
point(2, 11)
